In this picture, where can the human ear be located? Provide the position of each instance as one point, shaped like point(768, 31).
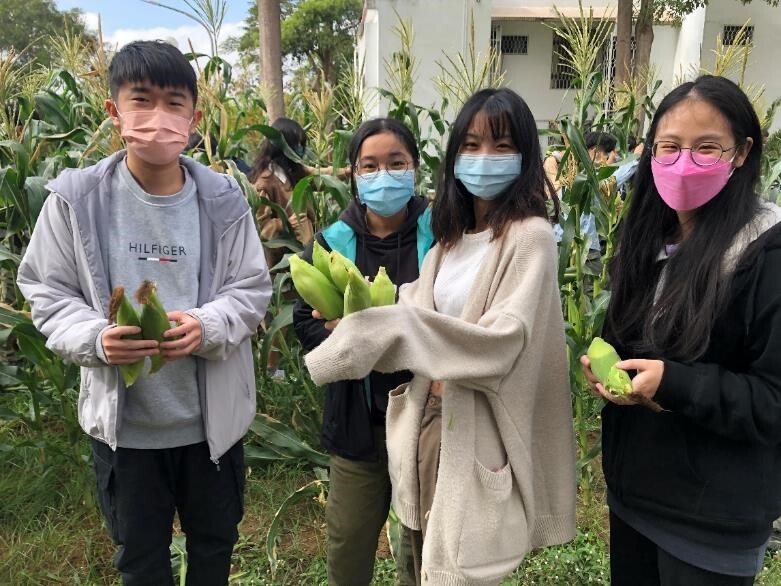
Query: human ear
point(113, 112)
point(197, 115)
point(742, 152)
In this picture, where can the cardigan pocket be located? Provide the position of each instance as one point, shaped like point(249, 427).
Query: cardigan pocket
point(494, 532)
point(397, 400)
point(403, 416)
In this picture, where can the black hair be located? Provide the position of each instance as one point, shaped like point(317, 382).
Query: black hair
point(157, 62)
point(604, 141)
point(380, 126)
point(295, 137)
point(453, 209)
point(631, 143)
point(678, 324)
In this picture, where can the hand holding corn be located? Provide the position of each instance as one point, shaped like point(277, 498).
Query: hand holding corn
point(120, 349)
point(335, 287)
point(641, 389)
point(183, 339)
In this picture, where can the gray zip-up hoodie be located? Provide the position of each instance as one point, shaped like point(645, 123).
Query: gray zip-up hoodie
point(64, 277)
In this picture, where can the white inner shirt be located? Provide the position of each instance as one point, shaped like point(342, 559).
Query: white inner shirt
point(454, 280)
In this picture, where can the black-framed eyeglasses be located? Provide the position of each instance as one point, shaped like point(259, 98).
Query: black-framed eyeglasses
point(704, 154)
point(370, 170)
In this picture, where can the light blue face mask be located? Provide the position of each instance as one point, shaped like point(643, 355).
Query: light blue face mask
point(487, 176)
point(386, 192)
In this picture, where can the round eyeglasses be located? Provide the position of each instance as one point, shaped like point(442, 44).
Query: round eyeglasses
point(704, 154)
point(369, 170)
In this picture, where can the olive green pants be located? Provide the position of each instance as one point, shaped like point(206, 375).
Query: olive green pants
point(359, 497)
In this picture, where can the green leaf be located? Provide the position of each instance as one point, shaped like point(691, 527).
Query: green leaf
point(314, 489)
point(301, 194)
point(283, 319)
point(7, 255)
point(283, 439)
point(36, 195)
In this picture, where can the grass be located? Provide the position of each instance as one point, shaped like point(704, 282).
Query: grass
point(51, 532)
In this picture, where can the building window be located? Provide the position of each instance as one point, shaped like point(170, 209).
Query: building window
point(515, 45)
point(562, 76)
point(732, 35)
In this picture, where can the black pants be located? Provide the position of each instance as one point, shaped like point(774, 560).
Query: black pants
point(139, 491)
point(637, 561)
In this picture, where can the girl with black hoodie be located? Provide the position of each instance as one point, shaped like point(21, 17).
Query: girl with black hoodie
point(385, 225)
point(694, 482)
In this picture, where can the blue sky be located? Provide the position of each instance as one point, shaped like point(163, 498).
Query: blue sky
point(127, 20)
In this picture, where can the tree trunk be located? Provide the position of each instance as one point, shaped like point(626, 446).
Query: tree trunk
point(644, 38)
point(623, 43)
point(269, 24)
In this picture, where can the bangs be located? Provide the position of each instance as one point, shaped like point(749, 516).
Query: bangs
point(155, 62)
point(498, 119)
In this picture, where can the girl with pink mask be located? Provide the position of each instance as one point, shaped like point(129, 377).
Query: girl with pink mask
point(692, 457)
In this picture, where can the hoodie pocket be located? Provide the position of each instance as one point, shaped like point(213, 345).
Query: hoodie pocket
point(494, 533)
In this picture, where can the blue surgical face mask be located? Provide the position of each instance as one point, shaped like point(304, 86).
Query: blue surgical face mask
point(487, 176)
point(386, 192)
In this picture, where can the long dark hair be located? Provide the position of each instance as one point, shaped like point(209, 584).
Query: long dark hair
point(270, 153)
point(678, 324)
point(453, 210)
point(378, 126)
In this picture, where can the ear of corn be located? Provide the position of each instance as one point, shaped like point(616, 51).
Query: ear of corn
point(315, 288)
point(339, 266)
point(357, 295)
point(320, 259)
point(122, 313)
point(153, 319)
point(603, 359)
point(382, 290)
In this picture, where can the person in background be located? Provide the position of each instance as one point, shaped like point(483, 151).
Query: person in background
point(694, 482)
point(275, 176)
point(480, 442)
point(387, 225)
point(601, 147)
point(172, 443)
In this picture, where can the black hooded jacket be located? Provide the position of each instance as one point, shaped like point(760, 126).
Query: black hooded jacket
point(348, 417)
point(709, 467)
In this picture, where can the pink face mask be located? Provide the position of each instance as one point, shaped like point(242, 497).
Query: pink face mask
point(158, 137)
point(685, 186)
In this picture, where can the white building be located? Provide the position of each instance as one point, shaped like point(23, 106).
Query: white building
point(520, 29)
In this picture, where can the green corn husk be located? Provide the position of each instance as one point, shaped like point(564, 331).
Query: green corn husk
point(321, 260)
point(315, 288)
point(382, 290)
point(357, 295)
point(122, 313)
point(154, 321)
point(340, 266)
point(603, 359)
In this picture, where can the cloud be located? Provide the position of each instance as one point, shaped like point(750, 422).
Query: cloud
point(181, 37)
point(90, 20)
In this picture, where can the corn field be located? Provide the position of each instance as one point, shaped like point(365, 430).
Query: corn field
point(54, 119)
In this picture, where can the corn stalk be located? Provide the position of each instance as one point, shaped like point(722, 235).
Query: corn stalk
point(462, 75)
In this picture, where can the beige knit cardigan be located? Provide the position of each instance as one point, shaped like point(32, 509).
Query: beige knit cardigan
point(506, 480)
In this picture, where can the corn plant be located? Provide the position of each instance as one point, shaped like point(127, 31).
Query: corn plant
point(583, 276)
point(462, 75)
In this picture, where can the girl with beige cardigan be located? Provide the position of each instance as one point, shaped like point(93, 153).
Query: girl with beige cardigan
point(481, 329)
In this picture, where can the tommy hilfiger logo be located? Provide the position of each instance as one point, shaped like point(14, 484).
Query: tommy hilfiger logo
point(157, 252)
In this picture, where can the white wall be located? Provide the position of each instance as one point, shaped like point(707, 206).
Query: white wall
point(530, 75)
point(763, 64)
point(663, 58)
point(440, 26)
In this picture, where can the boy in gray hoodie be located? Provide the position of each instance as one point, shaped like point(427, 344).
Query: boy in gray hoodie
point(172, 441)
